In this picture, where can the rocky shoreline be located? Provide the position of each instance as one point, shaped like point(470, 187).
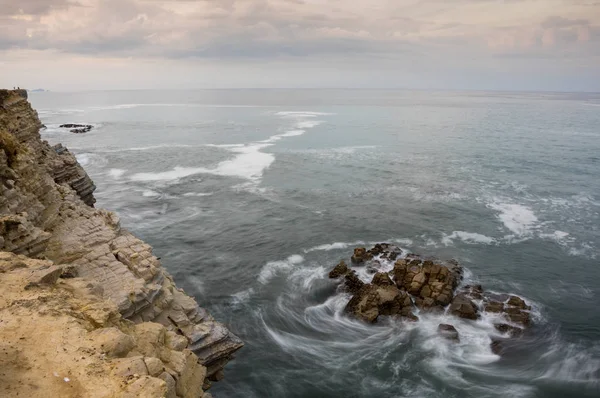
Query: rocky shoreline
point(86, 309)
point(405, 285)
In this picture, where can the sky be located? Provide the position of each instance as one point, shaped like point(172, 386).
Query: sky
point(66, 45)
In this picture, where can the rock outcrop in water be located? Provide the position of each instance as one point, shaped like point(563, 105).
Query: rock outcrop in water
point(405, 285)
point(86, 309)
point(77, 128)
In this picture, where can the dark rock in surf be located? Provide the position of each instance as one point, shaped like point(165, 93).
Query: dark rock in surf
point(340, 270)
point(449, 332)
point(361, 255)
point(77, 128)
point(505, 328)
point(372, 301)
point(463, 307)
point(353, 283)
point(382, 279)
point(494, 306)
point(427, 279)
point(518, 302)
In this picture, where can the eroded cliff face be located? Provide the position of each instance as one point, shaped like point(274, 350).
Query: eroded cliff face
point(102, 287)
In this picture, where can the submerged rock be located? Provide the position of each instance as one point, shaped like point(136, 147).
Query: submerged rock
point(463, 307)
point(449, 332)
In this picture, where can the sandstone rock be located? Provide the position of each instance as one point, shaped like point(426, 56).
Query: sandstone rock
point(45, 275)
point(463, 307)
point(340, 270)
point(189, 384)
point(155, 366)
point(113, 342)
point(147, 387)
point(126, 367)
point(171, 384)
point(150, 337)
point(449, 332)
point(175, 341)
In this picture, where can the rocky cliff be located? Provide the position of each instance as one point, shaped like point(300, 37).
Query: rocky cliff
point(85, 308)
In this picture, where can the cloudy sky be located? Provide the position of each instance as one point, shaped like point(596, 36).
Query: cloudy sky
point(437, 44)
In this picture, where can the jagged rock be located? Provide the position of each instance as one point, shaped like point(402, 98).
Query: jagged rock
point(517, 315)
point(518, 302)
point(382, 279)
point(463, 307)
point(372, 301)
point(340, 270)
point(449, 332)
point(361, 255)
point(353, 283)
point(426, 279)
point(494, 306)
point(45, 275)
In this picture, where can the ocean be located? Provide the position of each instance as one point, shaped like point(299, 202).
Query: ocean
point(250, 197)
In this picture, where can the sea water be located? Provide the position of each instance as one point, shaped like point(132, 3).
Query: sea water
point(251, 196)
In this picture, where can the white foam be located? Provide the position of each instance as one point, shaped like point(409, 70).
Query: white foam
point(83, 158)
point(518, 219)
point(308, 124)
point(150, 193)
point(333, 246)
point(273, 267)
point(303, 114)
point(176, 173)
point(116, 173)
point(249, 163)
point(467, 237)
point(242, 297)
point(198, 194)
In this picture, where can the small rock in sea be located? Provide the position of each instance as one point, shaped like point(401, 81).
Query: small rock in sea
point(77, 128)
point(449, 332)
point(340, 270)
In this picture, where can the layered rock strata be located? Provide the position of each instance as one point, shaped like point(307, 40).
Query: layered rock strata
point(46, 213)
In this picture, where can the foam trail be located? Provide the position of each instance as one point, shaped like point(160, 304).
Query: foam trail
point(467, 237)
point(273, 267)
point(249, 163)
point(518, 219)
point(334, 246)
point(116, 173)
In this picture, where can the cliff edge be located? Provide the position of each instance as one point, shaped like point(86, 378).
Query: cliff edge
point(86, 310)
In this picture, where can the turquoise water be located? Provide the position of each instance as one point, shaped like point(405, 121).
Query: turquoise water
point(251, 196)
